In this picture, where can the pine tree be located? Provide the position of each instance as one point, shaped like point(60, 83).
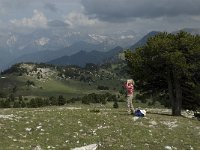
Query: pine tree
point(169, 64)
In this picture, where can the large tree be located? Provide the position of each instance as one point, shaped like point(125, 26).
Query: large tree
point(168, 64)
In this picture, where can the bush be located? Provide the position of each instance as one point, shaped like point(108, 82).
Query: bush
point(98, 98)
point(3, 94)
point(61, 100)
point(73, 100)
point(39, 102)
point(115, 105)
point(12, 97)
point(85, 100)
point(112, 98)
point(29, 83)
point(100, 87)
point(53, 100)
point(95, 110)
point(26, 99)
point(23, 104)
point(1, 103)
point(16, 104)
point(6, 103)
point(33, 103)
point(20, 97)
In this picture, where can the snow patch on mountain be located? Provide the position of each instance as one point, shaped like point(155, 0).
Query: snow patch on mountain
point(69, 34)
point(42, 41)
point(99, 38)
point(12, 40)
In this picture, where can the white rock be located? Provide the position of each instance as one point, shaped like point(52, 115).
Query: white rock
point(37, 148)
point(168, 147)
point(87, 147)
point(153, 122)
point(28, 129)
point(38, 127)
point(135, 118)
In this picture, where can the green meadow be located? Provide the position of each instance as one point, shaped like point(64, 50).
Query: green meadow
point(54, 87)
point(75, 125)
point(78, 125)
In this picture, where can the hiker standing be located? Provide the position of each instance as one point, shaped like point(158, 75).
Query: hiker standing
point(129, 86)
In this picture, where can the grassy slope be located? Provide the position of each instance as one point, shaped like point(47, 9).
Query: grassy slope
point(50, 85)
point(53, 87)
point(56, 87)
point(65, 128)
point(9, 82)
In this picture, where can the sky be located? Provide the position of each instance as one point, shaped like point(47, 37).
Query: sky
point(100, 16)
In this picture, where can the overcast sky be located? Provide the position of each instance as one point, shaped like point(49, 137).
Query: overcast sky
point(102, 16)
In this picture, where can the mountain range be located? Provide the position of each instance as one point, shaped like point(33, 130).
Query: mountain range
point(47, 55)
point(59, 46)
point(82, 57)
point(46, 44)
point(97, 57)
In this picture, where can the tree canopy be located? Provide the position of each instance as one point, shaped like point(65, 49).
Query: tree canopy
point(169, 64)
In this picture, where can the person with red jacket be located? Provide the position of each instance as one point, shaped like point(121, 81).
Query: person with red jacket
point(129, 86)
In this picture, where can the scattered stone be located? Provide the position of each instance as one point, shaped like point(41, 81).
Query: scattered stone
point(38, 147)
point(135, 118)
point(168, 147)
point(154, 123)
point(7, 116)
point(191, 148)
point(87, 147)
point(188, 114)
point(28, 129)
point(38, 127)
point(170, 124)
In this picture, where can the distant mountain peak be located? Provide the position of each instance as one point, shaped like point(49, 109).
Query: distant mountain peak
point(143, 41)
point(83, 57)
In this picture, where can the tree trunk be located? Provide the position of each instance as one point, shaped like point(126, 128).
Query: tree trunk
point(176, 108)
point(170, 88)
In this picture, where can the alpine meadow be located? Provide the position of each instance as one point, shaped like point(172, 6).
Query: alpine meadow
point(99, 75)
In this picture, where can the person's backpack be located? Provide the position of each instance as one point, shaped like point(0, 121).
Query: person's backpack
point(140, 113)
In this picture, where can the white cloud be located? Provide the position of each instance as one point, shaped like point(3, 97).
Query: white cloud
point(196, 18)
point(37, 20)
point(2, 11)
point(102, 16)
point(127, 36)
point(75, 19)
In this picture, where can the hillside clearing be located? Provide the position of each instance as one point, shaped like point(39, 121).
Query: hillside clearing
point(76, 126)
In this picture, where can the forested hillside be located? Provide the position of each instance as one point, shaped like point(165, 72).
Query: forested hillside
point(48, 83)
